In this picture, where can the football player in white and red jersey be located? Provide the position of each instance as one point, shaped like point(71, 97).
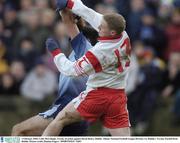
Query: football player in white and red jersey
point(107, 66)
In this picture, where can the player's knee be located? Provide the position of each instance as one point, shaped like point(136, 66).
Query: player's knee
point(65, 119)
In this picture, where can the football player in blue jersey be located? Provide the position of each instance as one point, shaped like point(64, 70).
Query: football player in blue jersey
point(69, 88)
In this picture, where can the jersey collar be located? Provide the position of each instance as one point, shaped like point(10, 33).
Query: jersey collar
point(110, 38)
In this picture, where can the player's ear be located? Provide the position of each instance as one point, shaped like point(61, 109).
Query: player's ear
point(113, 33)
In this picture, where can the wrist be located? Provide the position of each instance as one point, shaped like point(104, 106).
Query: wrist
point(56, 52)
point(70, 4)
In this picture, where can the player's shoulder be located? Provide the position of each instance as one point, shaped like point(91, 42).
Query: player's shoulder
point(97, 49)
point(79, 37)
point(124, 36)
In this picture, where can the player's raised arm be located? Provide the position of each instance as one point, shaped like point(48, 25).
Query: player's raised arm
point(77, 7)
point(86, 65)
point(73, 25)
point(70, 23)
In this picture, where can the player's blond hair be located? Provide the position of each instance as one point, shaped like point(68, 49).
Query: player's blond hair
point(115, 22)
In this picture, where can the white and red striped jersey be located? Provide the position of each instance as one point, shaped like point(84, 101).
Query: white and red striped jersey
point(106, 63)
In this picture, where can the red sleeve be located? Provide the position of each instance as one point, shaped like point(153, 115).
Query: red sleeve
point(94, 61)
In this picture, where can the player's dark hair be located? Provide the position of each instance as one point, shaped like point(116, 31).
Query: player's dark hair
point(91, 34)
point(80, 23)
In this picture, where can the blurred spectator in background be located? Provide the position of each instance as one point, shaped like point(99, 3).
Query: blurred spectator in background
point(91, 3)
point(123, 7)
point(32, 28)
point(173, 33)
point(164, 12)
point(176, 3)
point(1, 9)
point(60, 34)
point(26, 5)
point(15, 3)
point(144, 97)
point(2, 30)
point(105, 9)
point(7, 85)
point(39, 83)
point(171, 84)
point(4, 40)
point(3, 62)
point(18, 72)
point(11, 25)
point(134, 19)
point(27, 53)
point(47, 20)
point(42, 4)
point(153, 4)
point(151, 34)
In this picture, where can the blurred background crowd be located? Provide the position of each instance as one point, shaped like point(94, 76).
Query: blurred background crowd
point(27, 70)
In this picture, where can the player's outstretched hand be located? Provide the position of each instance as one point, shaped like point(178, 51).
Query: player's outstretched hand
point(62, 4)
point(53, 46)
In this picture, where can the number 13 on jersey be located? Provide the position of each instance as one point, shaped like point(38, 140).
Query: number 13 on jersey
point(123, 54)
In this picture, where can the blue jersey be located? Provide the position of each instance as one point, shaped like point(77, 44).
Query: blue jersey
point(69, 88)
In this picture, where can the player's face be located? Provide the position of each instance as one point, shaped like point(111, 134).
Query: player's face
point(104, 29)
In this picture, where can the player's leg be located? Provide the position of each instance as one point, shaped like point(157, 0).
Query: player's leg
point(89, 105)
point(120, 131)
point(67, 116)
point(116, 118)
point(33, 126)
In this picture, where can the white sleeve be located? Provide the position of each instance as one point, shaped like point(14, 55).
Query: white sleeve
point(91, 16)
point(80, 67)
